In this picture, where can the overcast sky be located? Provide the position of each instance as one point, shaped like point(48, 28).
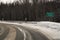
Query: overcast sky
point(7, 1)
point(11, 1)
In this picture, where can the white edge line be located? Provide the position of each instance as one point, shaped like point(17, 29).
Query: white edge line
point(22, 32)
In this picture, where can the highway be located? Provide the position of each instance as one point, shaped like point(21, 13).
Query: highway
point(15, 32)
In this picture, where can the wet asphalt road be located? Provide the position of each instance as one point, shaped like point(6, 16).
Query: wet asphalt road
point(23, 33)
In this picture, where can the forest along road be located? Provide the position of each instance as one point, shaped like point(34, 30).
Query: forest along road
point(15, 32)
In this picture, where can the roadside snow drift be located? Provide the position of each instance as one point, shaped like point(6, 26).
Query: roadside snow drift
point(50, 29)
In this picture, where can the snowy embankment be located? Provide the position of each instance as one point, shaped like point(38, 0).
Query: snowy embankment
point(49, 29)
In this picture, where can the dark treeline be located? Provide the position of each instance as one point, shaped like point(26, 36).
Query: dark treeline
point(28, 11)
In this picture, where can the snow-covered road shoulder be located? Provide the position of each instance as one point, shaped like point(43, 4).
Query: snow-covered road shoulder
point(49, 29)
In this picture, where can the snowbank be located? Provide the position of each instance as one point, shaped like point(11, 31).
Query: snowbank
point(50, 29)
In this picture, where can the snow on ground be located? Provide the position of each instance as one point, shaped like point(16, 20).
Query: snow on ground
point(50, 29)
point(47, 24)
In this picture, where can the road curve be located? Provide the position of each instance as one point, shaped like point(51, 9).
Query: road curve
point(4, 31)
point(23, 33)
point(35, 35)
